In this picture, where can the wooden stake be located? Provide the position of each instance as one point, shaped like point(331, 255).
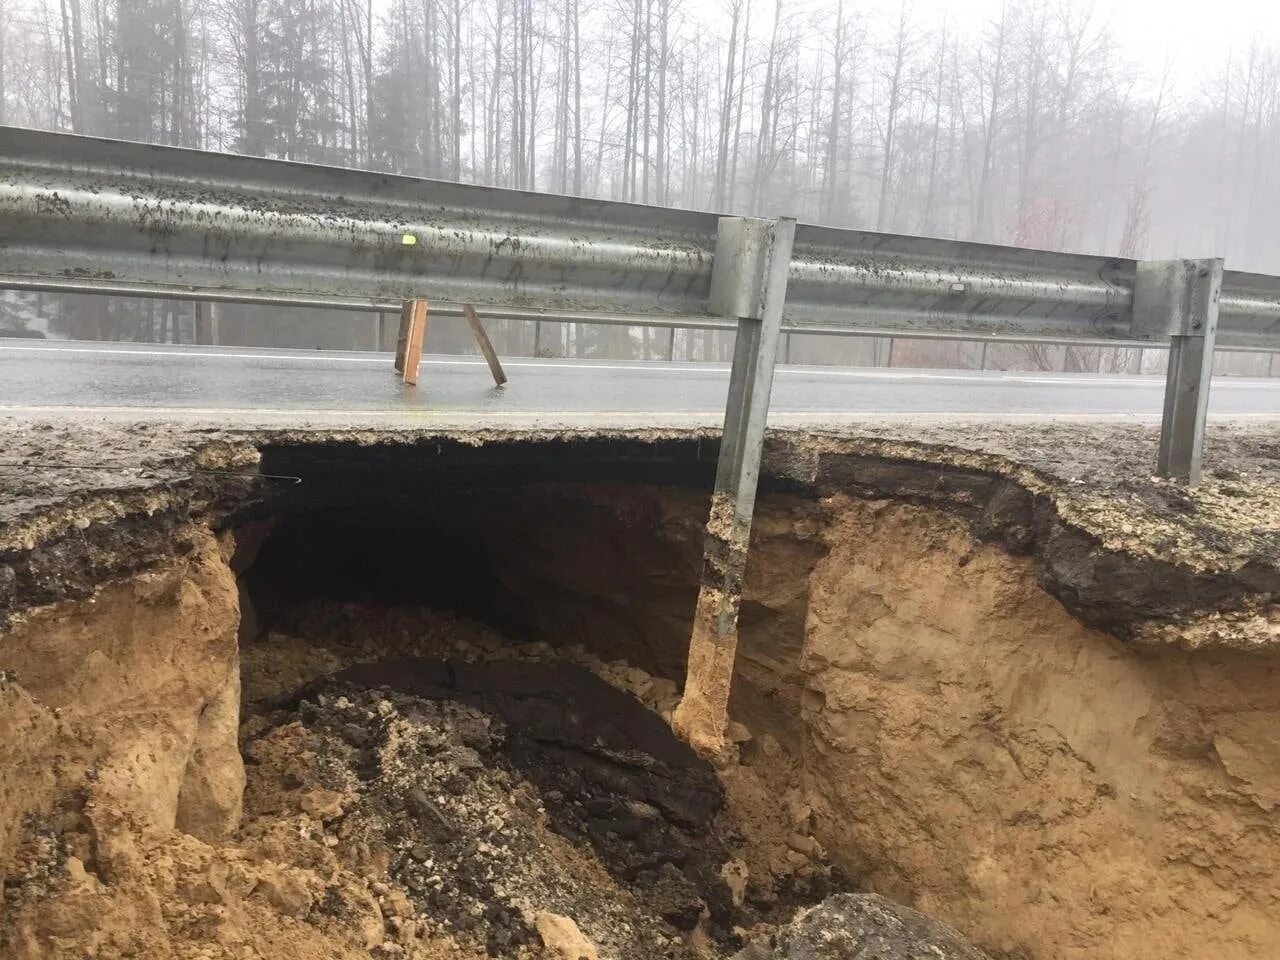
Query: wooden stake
point(414, 337)
point(402, 336)
point(482, 341)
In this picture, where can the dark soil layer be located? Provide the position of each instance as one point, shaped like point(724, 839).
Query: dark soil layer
point(1124, 550)
point(616, 774)
point(608, 772)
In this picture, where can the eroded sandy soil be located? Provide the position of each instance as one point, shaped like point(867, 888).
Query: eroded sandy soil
point(502, 802)
point(984, 673)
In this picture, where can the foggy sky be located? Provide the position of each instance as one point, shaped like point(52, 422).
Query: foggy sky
point(1192, 37)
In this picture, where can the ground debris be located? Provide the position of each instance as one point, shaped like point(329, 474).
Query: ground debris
point(852, 926)
point(496, 803)
point(562, 938)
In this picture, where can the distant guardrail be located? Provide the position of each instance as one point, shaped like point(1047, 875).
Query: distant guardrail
point(81, 214)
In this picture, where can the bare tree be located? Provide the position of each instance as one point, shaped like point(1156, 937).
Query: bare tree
point(730, 97)
point(939, 73)
point(4, 57)
point(991, 76)
point(902, 45)
point(839, 57)
point(1134, 236)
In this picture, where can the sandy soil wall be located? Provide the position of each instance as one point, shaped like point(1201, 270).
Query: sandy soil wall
point(134, 692)
point(954, 737)
point(963, 743)
point(122, 789)
point(974, 750)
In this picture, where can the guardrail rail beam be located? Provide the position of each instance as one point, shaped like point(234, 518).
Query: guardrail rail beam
point(90, 215)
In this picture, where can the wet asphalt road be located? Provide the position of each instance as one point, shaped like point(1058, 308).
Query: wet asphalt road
point(253, 386)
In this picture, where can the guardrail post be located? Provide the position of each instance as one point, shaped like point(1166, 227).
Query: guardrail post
point(1179, 299)
point(748, 282)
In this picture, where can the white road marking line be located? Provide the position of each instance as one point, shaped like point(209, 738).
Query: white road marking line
point(128, 352)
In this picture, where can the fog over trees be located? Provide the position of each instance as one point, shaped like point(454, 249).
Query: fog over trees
point(1030, 127)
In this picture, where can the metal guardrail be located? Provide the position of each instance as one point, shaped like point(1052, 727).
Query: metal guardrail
point(89, 215)
point(81, 214)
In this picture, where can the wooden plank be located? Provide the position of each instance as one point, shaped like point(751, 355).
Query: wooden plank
point(417, 334)
point(486, 347)
point(402, 338)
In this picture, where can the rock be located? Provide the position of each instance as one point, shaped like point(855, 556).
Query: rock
point(322, 805)
point(676, 899)
point(428, 815)
point(355, 734)
point(807, 845)
point(115, 848)
point(735, 875)
point(285, 891)
point(78, 878)
point(240, 880)
point(562, 938)
point(768, 745)
point(664, 690)
point(799, 809)
point(851, 926)
point(368, 918)
point(638, 681)
point(8, 585)
point(474, 732)
point(207, 887)
point(399, 905)
point(465, 758)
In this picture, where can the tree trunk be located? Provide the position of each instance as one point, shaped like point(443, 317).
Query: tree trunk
point(768, 123)
point(456, 91)
point(737, 118)
point(926, 217)
point(891, 120)
point(73, 94)
point(979, 227)
point(577, 100)
point(646, 37)
point(726, 111)
point(664, 55)
point(4, 56)
point(831, 171)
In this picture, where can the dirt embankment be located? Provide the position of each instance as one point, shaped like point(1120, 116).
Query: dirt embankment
point(506, 802)
point(972, 748)
point(1056, 737)
point(959, 740)
point(135, 691)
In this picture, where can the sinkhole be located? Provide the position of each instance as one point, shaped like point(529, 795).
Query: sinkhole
point(411, 696)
